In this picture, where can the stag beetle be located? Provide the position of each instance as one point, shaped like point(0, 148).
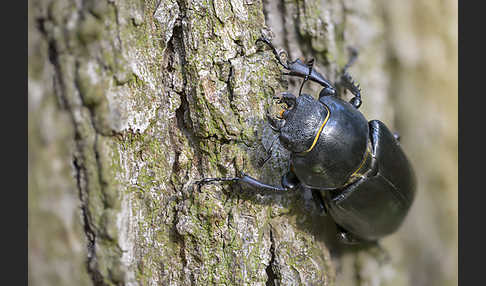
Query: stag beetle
point(356, 169)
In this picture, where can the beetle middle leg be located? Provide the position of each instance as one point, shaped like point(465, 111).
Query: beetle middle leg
point(316, 194)
point(288, 184)
point(290, 180)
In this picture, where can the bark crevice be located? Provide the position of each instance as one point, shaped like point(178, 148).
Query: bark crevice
point(271, 276)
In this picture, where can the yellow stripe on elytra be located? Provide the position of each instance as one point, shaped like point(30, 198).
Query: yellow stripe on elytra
point(363, 162)
point(319, 133)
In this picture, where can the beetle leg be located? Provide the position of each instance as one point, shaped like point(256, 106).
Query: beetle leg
point(347, 82)
point(396, 135)
point(346, 237)
point(290, 180)
point(382, 255)
point(298, 68)
point(353, 55)
point(316, 194)
point(244, 179)
point(274, 50)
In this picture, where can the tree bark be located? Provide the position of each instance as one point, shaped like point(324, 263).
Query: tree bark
point(131, 102)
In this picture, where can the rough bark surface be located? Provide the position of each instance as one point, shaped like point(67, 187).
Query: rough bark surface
point(130, 102)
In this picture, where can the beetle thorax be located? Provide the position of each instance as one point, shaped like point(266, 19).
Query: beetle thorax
point(302, 124)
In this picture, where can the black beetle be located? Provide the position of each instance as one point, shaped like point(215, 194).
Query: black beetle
point(356, 168)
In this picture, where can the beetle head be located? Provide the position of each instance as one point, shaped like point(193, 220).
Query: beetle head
point(300, 122)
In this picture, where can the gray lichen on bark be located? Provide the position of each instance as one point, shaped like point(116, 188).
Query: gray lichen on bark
point(130, 102)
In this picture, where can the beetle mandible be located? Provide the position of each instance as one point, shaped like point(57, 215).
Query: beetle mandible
point(356, 168)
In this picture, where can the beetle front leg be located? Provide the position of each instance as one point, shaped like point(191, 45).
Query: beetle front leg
point(299, 68)
point(347, 82)
point(274, 50)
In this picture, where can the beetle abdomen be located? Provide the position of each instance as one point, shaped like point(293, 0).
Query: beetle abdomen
point(376, 205)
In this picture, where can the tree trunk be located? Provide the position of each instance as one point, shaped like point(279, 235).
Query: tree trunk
point(131, 102)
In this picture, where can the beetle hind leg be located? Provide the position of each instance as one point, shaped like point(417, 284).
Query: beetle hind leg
point(397, 136)
point(346, 237)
